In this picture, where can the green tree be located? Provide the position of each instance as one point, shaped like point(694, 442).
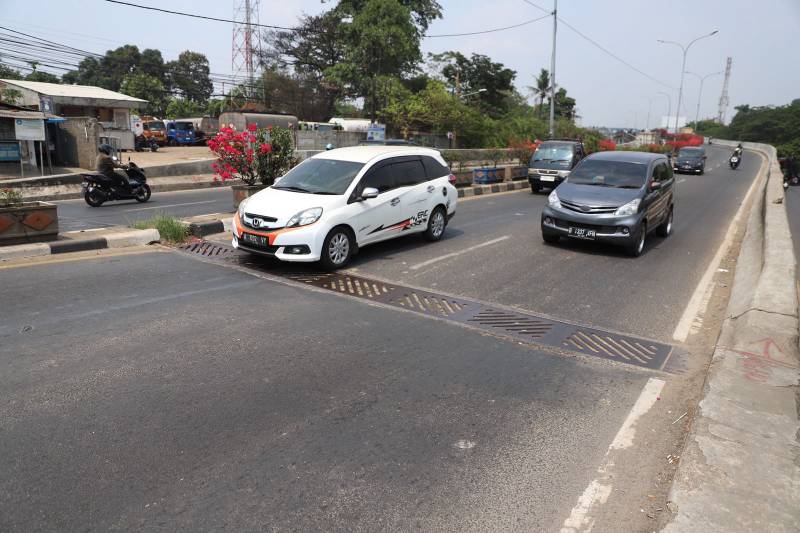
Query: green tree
point(8, 73)
point(152, 63)
point(10, 96)
point(565, 105)
point(542, 88)
point(88, 73)
point(45, 77)
point(189, 75)
point(117, 64)
point(146, 87)
point(183, 108)
point(423, 12)
point(477, 73)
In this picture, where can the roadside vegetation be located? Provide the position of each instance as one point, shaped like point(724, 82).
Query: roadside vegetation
point(171, 229)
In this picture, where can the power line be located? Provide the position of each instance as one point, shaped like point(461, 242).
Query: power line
point(50, 42)
point(197, 16)
point(489, 31)
point(601, 47)
point(537, 6)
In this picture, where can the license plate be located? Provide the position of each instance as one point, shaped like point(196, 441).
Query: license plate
point(547, 178)
point(257, 240)
point(582, 233)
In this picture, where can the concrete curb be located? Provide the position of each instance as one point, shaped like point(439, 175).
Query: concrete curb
point(478, 190)
point(113, 240)
point(740, 469)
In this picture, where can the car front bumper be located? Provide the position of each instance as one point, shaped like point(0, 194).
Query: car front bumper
point(692, 167)
point(612, 229)
point(538, 179)
point(306, 241)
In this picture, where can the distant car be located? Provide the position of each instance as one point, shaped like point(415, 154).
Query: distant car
point(337, 201)
point(552, 163)
point(180, 133)
point(613, 197)
point(690, 159)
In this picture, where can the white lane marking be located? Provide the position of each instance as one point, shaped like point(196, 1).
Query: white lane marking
point(681, 180)
point(171, 205)
point(692, 318)
point(598, 491)
point(454, 254)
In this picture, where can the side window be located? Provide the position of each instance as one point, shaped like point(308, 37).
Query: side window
point(380, 177)
point(434, 169)
point(657, 172)
point(408, 173)
point(668, 175)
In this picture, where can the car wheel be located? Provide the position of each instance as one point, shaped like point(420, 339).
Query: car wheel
point(337, 249)
point(535, 189)
point(549, 238)
point(665, 229)
point(636, 248)
point(436, 225)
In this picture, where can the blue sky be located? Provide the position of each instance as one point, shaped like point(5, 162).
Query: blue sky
point(761, 38)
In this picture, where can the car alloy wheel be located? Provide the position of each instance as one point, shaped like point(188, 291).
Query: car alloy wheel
point(339, 249)
point(437, 224)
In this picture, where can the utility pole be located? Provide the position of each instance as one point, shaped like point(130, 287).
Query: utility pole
point(685, 50)
point(700, 93)
point(553, 73)
point(458, 99)
point(723, 99)
point(669, 106)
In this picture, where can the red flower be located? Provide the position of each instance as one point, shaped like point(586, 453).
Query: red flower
point(265, 148)
point(252, 127)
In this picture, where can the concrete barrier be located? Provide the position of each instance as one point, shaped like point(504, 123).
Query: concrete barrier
point(740, 470)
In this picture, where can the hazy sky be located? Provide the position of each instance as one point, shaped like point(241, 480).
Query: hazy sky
point(761, 37)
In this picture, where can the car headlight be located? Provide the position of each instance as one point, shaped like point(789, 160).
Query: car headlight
point(631, 208)
point(304, 218)
point(241, 208)
point(553, 200)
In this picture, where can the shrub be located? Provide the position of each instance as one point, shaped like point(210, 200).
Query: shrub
point(257, 154)
point(522, 151)
point(171, 229)
point(605, 145)
point(10, 198)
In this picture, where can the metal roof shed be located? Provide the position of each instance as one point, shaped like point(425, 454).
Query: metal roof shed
point(71, 95)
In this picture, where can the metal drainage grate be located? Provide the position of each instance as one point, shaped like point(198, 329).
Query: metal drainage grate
point(513, 323)
point(207, 249)
point(617, 347)
point(518, 325)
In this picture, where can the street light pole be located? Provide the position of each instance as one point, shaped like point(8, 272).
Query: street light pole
point(553, 73)
point(700, 94)
point(685, 50)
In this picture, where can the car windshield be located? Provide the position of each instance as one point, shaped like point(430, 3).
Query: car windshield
point(690, 152)
point(320, 176)
point(553, 152)
point(619, 174)
point(184, 126)
point(155, 125)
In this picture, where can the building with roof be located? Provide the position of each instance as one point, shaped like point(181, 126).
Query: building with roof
point(86, 109)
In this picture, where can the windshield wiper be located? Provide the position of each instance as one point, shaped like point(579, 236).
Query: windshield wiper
point(326, 192)
point(297, 189)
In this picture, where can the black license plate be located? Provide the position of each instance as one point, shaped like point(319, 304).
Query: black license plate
point(256, 240)
point(582, 233)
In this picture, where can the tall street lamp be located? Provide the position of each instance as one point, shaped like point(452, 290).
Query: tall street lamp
point(683, 67)
point(700, 94)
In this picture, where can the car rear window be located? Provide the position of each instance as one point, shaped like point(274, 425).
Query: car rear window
point(433, 168)
point(408, 173)
point(620, 174)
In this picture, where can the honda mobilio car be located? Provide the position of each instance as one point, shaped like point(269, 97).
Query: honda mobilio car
point(613, 197)
point(335, 202)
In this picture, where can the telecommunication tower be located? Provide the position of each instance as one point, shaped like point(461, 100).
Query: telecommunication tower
point(246, 42)
point(723, 99)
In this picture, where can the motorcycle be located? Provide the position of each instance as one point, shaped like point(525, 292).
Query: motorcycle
point(142, 143)
point(734, 161)
point(99, 189)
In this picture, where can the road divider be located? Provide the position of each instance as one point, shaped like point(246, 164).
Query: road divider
point(81, 242)
point(739, 469)
point(478, 190)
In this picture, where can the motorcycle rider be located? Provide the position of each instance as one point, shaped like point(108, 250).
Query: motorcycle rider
point(105, 165)
point(738, 151)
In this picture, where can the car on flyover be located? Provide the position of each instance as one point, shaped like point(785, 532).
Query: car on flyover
point(690, 159)
point(337, 201)
point(613, 197)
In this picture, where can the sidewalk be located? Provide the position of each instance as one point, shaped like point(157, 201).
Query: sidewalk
point(79, 241)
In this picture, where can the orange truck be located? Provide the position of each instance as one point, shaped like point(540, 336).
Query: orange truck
point(154, 128)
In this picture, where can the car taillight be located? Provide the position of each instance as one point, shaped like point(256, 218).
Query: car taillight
point(452, 179)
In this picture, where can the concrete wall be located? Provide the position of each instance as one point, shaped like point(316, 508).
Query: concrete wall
point(77, 142)
point(317, 140)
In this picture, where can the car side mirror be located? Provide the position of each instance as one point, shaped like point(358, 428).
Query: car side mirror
point(655, 185)
point(369, 192)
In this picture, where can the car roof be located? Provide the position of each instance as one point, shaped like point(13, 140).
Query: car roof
point(365, 154)
point(626, 156)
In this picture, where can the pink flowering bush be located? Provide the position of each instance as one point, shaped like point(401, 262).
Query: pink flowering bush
point(256, 154)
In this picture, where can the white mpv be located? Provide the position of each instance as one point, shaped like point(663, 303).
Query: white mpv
point(331, 204)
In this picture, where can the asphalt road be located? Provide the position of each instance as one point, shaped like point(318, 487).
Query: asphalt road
point(75, 215)
point(157, 392)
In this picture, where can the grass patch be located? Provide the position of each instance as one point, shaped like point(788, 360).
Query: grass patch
point(171, 229)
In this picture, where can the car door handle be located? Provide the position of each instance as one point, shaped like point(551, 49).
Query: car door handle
point(431, 188)
point(395, 201)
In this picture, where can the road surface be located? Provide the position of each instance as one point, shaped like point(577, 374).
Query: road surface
point(153, 390)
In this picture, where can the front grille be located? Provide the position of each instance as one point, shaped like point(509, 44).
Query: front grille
point(264, 222)
point(589, 209)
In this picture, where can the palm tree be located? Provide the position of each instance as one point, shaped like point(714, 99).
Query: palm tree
point(542, 88)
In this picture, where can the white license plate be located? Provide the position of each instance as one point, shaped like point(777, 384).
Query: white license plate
point(582, 233)
point(547, 178)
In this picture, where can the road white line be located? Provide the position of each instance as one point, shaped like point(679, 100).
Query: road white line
point(598, 491)
point(681, 180)
point(691, 319)
point(460, 252)
point(171, 205)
